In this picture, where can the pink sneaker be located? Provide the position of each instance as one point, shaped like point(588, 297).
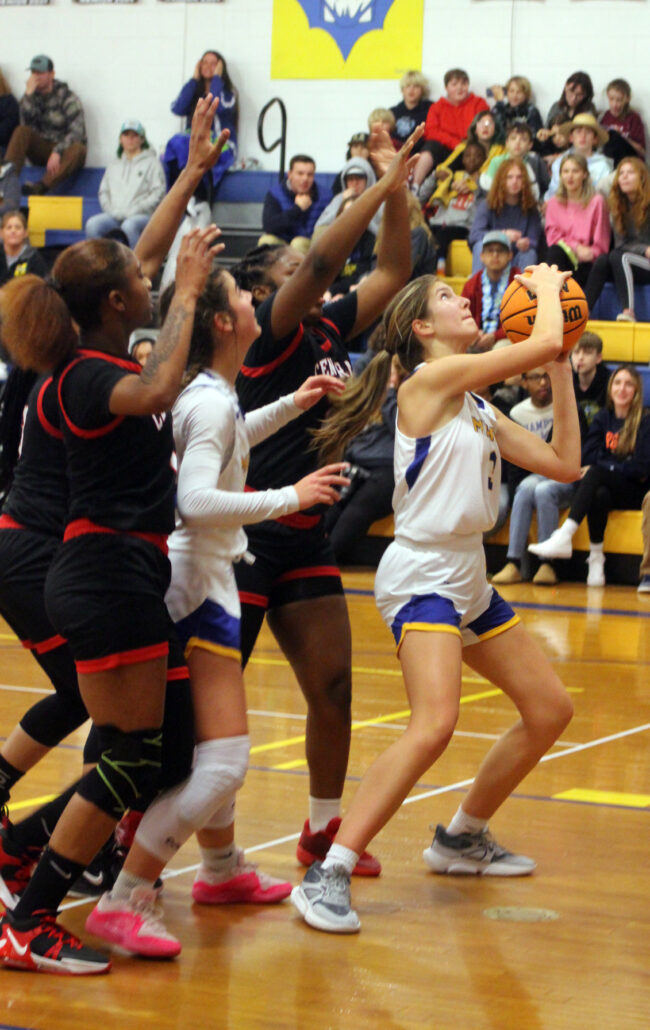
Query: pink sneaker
point(134, 925)
point(243, 884)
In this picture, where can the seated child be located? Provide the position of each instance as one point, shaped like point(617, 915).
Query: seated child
point(625, 126)
point(386, 119)
point(485, 289)
point(552, 142)
point(513, 102)
point(450, 209)
point(519, 143)
point(17, 256)
point(447, 122)
point(357, 147)
point(413, 109)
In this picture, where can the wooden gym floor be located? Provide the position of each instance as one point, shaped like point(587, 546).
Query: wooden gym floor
point(566, 948)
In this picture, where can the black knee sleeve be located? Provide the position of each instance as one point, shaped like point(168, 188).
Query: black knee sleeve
point(53, 718)
point(128, 769)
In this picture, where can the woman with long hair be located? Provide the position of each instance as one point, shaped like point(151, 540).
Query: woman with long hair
point(510, 206)
point(576, 222)
point(212, 445)
point(615, 471)
point(431, 585)
point(629, 261)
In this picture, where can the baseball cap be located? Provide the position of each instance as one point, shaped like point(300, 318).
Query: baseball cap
point(356, 170)
point(132, 125)
point(41, 63)
point(358, 137)
point(494, 236)
point(138, 335)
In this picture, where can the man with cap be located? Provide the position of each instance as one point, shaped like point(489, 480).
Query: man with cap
point(585, 133)
point(356, 176)
point(52, 130)
point(485, 289)
point(131, 188)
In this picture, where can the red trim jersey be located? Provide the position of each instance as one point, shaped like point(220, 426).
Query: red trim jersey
point(273, 368)
point(120, 468)
point(38, 498)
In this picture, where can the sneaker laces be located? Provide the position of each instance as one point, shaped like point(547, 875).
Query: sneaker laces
point(145, 904)
point(336, 886)
point(62, 937)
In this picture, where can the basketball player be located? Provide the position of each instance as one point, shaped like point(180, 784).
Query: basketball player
point(431, 586)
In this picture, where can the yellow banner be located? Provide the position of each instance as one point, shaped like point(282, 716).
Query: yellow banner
point(346, 39)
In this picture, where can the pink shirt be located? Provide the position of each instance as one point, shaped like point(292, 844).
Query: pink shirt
point(576, 224)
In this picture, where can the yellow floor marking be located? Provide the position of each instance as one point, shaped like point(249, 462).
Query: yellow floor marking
point(15, 806)
point(604, 797)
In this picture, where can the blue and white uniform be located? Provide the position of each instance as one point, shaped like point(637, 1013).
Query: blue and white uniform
point(433, 576)
point(213, 440)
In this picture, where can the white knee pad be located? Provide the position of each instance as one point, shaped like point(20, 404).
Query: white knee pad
point(219, 771)
point(224, 815)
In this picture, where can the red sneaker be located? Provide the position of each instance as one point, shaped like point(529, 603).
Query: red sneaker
point(16, 866)
point(41, 945)
point(312, 847)
point(244, 883)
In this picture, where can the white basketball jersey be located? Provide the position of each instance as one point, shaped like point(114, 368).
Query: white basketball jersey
point(447, 484)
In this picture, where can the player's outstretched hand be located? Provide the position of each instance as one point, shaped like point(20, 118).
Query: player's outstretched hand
point(197, 251)
point(536, 277)
point(203, 153)
point(322, 486)
point(316, 387)
point(395, 166)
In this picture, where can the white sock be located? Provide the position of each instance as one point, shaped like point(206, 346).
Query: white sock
point(338, 855)
point(596, 550)
point(321, 810)
point(569, 527)
point(219, 860)
point(125, 883)
point(464, 823)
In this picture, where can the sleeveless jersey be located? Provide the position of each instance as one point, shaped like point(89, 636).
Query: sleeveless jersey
point(38, 498)
point(273, 368)
point(119, 467)
point(447, 484)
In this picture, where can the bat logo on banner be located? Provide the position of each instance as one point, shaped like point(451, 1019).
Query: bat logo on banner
point(346, 21)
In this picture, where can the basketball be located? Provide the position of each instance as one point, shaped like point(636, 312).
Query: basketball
point(519, 307)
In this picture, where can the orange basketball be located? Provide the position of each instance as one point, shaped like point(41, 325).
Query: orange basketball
point(519, 308)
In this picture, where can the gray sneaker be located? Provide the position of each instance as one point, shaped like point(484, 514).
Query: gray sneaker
point(477, 853)
point(323, 900)
point(6, 168)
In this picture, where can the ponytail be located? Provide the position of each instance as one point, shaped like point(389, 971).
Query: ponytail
point(351, 412)
point(36, 326)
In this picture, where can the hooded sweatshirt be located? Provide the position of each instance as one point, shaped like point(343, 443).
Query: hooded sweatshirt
point(331, 211)
point(132, 187)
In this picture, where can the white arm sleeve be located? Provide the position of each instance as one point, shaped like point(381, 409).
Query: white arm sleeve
point(263, 422)
point(207, 429)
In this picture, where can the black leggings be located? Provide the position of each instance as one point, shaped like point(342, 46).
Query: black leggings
point(555, 255)
point(610, 266)
point(600, 491)
point(347, 522)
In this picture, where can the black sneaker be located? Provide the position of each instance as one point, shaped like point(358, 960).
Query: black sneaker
point(42, 945)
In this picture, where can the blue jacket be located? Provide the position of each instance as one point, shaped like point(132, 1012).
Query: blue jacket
point(282, 217)
point(225, 117)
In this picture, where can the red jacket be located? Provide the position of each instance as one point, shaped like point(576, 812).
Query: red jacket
point(448, 123)
point(474, 290)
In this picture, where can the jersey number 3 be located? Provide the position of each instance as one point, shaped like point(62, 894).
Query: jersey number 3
point(492, 458)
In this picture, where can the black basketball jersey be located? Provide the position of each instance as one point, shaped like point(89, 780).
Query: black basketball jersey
point(273, 368)
point(38, 498)
point(120, 468)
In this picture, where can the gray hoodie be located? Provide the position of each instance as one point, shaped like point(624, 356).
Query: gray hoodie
point(332, 209)
point(132, 187)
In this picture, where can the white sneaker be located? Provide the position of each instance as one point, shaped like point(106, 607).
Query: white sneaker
point(558, 545)
point(323, 900)
point(596, 573)
point(474, 853)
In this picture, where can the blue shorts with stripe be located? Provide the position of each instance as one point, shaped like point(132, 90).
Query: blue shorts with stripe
point(211, 628)
point(440, 591)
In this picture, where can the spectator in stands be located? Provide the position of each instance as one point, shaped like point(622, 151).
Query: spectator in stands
point(519, 143)
point(131, 188)
point(17, 256)
point(585, 135)
point(629, 205)
point(369, 495)
point(53, 130)
point(535, 414)
point(450, 209)
point(510, 206)
point(357, 147)
point(9, 113)
point(356, 175)
point(552, 142)
point(383, 118)
point(485, 289)
point(210, 76)
point(577, 98)
point(447, 122)
point(358, 263)
point(625, 126)
point(423, 244)
point(615, 472)
point(577, 223)
point(486, 131)
point(292, 207)
point(513, 103)
point(644, 571)
point(142, 343)
point(590, 376)
point(413, 108)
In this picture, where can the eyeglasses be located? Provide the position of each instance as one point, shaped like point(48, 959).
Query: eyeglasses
point(535, 377)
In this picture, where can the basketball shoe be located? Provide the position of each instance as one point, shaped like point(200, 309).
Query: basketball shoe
point(323, 900)
point(135, 925)
point(313, 847)
point(474, 853)
point(242, 884)
point(42, 945)
point(16, 865)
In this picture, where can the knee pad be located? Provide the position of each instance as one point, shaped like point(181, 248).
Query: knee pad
point(219, 771)
point(128, 769)
point(224, 815)
point(53, 718)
